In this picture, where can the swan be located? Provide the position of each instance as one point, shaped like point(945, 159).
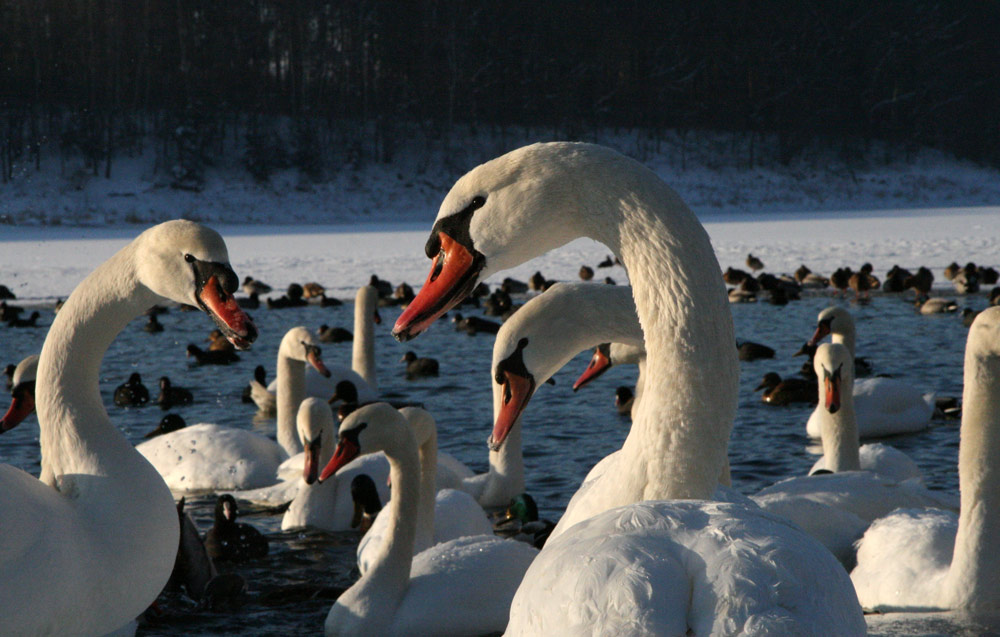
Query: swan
point(441, 515)
point(91, 554)
point(835, 410)
point(209, 457)
point(460, 587)
point(362, 359)
point(607, 355)
point(924, 560)
point(884, 406)
point(535, 199)
point(329, 506)
point(837, 508)
point(22, 393)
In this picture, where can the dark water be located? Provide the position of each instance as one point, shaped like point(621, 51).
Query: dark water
point(565, 433)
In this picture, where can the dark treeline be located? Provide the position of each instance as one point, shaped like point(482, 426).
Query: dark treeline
point(98, 77)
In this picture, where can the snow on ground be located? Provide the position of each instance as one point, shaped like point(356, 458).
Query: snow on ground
point(43, 263)
point(709, 170)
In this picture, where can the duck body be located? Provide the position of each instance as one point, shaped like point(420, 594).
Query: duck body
point(232, 541)
point(171, 396)
point(419, 367)
point(132, 392)
point(211, 357)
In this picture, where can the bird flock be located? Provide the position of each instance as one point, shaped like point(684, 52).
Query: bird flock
point(655, 541)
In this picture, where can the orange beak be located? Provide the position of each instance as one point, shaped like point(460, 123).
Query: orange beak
point(317, 362)
point(20, 408)
point(233, 322)
point(822, 329)
point(831, 385)
point(599, 363)
point(347, 450)
point(310, 470)
point(452, 277)
point(517, 392)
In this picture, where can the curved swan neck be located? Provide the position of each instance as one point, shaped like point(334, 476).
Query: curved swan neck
point(976, 562)
point(845, 336)
point(681, 431)
point(77, 437)
point(363, 349)
point(389, 575)
point(428, 492)
point(291, 391)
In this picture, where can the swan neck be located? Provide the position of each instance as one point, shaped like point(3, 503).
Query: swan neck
point(291, 391)
point(976, 562)
point(839, 431)
point(363, 348)
point(846, 338)
point(640, 385)
point(389, 574)
point(428, 493)
point(77, 435)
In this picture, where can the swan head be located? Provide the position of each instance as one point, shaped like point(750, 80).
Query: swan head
point(517, 385)
point(315, 426)
point(299, 344)
point(832, 320)
point(599, 363)
point(498, 215)
point(984, 333)
point(188, 263)
point(834, 368)
point(369, 429)
point(22, 393)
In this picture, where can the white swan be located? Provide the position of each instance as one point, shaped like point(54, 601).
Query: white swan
point(22, 393)
point(537, 198)
point(922, 560)
point(329, 505)
point(460, 587)
point(362, 373)
point(884, 406)
point(92, 553)
point(441, 515)
point(208, 457)
point(837, 508)
point(834, 365)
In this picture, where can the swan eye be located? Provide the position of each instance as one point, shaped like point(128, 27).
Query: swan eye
point(189, 258)
point(477, 202)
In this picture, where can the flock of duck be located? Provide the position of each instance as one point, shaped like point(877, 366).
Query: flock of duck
point(654, 541)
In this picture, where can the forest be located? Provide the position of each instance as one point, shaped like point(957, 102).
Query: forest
point(320, 84)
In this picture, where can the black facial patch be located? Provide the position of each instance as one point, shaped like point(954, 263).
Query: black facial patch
point(312, 349)
point(204, 270)
point(455, 226)
point(21, 390)
point(514, 364)
point(352, 434)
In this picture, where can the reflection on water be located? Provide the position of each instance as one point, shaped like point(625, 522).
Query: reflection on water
point(565, 433)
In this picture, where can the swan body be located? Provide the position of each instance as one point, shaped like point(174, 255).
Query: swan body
point(885, 460)
point(884, 406)
point(460, 587)
point(924, 560)
point(681, 568)
point(537, 198)
point(90, 554)
point(208, 457)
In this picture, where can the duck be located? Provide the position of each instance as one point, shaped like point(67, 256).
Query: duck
point(624, 205)
point(883, 406)
point(936, 305)
point(5, 293)
point(367, 503)
point(520, 521)
point(92, 581)
point(152, 325)
point(8, 312)
point(607, 262)
point(313, 290)
point(750, 351)
point(171, 396)
point(329, 334)
point(292, 298)
point(922, 560)
point(22, 393)
point(167, 424)
point(895, 279)
point(624, 400)
point(403, 293)
point(251, 302)
point(739, 295)
point(362, 372)
point(780, 392)
point(863, 281)
point(951, 270)
point(218, 343)
point(132, 392)
point(754, 263)
point(966, 281)
point(442, 513)
point(232, 541)
point(327, 301)
point(419, 367)
point(463, 586)
point(586, 273)
point(211, 357)
point(31, 321)
point(210, 457)
point(921, 282)
point(382, 288)
point(253, 286)
point(841, 279)
point(473, 325)
point(988, 275)
point(835, 406)
point(513, 286)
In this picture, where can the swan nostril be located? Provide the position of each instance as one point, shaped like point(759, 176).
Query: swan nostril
point(438, 266)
